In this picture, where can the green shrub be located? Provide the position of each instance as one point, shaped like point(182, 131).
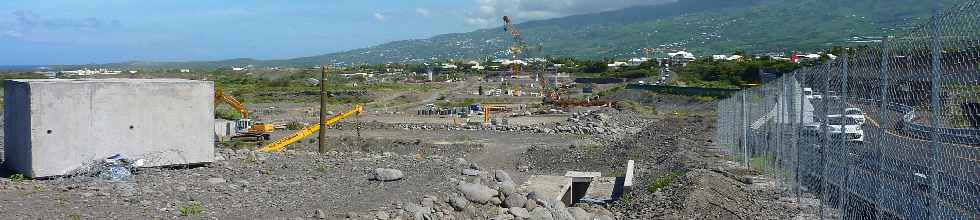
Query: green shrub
point(227, 114)
point(664, 181)
point(17, 178)
point(192, 208)
point(294, 126)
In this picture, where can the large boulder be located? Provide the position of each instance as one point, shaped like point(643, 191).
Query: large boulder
point(502, 176)
point(458, 202)
point(507, 188)
point(557, 209)
point(428, 201)
point(503, 217)
point(520, 213)
point(541, 213)
point(386, 175)
point(580, 214)
point(531, 204)
point(515, 200)
point(477, 193)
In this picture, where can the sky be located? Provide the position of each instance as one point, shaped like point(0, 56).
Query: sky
point(47, 32)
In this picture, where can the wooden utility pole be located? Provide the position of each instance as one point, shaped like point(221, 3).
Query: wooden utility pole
point(323, 110)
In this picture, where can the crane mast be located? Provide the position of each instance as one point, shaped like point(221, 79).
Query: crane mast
point(518, 46)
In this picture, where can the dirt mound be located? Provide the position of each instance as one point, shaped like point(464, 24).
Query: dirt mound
point(665, 103)
point(713, 195)
point(397, 146)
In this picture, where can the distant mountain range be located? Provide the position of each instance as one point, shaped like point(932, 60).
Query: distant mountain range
point(701, 26)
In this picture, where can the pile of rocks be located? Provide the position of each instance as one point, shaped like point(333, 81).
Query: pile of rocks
point(601, 122)
point(488, 195)
point(591, 122)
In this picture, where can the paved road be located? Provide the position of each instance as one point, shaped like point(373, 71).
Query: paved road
point(898, 176)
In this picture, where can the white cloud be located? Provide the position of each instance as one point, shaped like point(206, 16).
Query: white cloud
point(380, 17)
point(12, 34)
point(424, 12)
point(27, 21)
point(488, 12)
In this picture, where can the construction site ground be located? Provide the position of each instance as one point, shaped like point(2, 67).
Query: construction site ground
point(431, 151)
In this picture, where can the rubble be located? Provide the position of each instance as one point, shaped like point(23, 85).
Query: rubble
point(592, 122)
point(414, 178)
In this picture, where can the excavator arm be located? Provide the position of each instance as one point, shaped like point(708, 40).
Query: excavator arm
point(219, 97)
point(307, 131)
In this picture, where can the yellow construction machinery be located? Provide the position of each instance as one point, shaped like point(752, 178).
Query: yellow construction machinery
point(308, 130)
point(489, 109)
point(245, 127)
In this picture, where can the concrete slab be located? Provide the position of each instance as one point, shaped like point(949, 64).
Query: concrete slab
point(54, 126)
point(551, 187)
point(574, 186)
point(582, 177)
point(629, 174)
point(601, 190)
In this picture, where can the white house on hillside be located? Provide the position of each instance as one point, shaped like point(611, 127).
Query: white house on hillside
point(682, 55)
point(638, 61)
point(618, 64)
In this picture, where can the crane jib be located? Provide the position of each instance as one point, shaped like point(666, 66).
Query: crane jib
point(281, 144)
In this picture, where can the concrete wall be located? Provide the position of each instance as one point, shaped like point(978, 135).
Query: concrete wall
point(56, 126)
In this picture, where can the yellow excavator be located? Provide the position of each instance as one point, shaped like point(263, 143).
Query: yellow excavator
point(245, 127)
point(307, 131)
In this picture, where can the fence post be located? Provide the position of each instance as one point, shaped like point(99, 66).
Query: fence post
point(740, 102)
point(799, 135)
point(766, 152)
point(845, 150)
point(784, 115)
point(745, 134)
point(784, 146)
point(825, 140)
point(934, 134)
point(785, 127)
point(884, 79)
point(779, 134)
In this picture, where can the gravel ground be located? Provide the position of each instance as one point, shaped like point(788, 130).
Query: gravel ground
point(704, 186)
point(245, 185)
point(304, 185)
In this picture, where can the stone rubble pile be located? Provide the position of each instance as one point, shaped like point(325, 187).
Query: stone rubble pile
point(487, 195)
point(593, 122)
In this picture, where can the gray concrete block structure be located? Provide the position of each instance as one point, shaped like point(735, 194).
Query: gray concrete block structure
point(55, 126)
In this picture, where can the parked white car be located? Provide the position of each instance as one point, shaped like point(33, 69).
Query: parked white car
point(856, 114)
point(810, 94)
point(848, 127)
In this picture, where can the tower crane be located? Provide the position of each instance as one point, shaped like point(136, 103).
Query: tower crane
point(518, 46)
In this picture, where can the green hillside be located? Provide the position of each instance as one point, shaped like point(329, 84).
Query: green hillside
point(701, 26)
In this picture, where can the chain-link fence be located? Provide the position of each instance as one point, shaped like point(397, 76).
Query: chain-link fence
point(887, 130)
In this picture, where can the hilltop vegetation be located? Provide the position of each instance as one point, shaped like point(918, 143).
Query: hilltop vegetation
point(730, 74)
point(701, 26)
